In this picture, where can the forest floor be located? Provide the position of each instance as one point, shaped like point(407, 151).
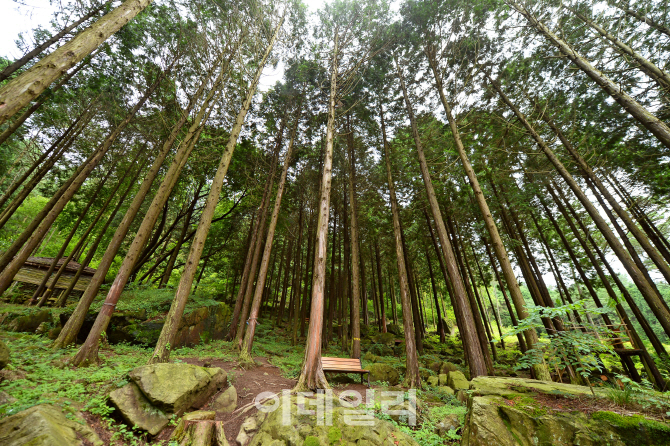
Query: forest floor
point(37, 375)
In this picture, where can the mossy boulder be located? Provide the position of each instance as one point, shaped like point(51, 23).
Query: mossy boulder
point(504, 411)
point(292, 426)
point(46, 425)
point(457, 381)
point(25, 321)
point(384, 373)
point(370, 357)
point(447, 367)
point(175, 388)
point(385, 339)
point(433, 381)
point(137, 410)
point(227, 401)
point(4, 355)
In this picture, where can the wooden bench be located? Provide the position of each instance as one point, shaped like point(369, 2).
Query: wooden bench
point(345, 365)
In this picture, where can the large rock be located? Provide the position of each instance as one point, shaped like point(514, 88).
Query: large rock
point(25, 321)
point(457, 381)
point(176, 387)
point(4, 355)
point(45, 425)
point(292, 426)
point(227, 401)
point(384, 372)
point(503, 411)
point(136, 409)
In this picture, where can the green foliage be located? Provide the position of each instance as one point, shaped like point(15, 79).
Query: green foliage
point(579, 349)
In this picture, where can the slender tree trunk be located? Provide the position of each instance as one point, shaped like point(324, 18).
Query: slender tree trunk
point(91, 251)
point(660, 76)
point(18, 122)
point(412, 377)
point(17, 93)
point(642, 18)
point(440, 323)
point(355, 254)
point(541, 370)
point(66, 242)
point(520, 337)
point(180, 239)
point(382, 306)
point(41, 173)
point(588, 173)
point(173, 318)
point(249, 289)
point(471, 345)
point(647, 119)
point(311, 375)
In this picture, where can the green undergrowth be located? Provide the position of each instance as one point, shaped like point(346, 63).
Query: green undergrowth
point(154, 301)
point(429, 417)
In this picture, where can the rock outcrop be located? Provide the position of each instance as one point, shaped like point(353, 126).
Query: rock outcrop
point(159, 391)
point(45, 425)
point(503, 411)
point(227, 401)
point(384, 373)
point(25, 321)
point(292, 426)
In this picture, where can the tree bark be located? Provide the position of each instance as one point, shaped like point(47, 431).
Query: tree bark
point(655, 301)
point(541, 371)
point(412, 377)
point(311, 375)
point(88, 351)
point(27, 242)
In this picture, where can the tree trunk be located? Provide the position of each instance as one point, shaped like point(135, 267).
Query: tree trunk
point(311, 375)
point(88, 351)
point(245, 351)
point(91, 251)
point(66, 242)
point(412, 377)
point(541, 371)
point(17, 93)
point(642, 18)
point(471, 344)
point(588, 173)
point(660, 76)
point(355, 254)
point(249, 289)
point(173, 318)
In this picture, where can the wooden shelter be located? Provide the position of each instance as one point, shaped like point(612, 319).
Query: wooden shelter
point(34, 269)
